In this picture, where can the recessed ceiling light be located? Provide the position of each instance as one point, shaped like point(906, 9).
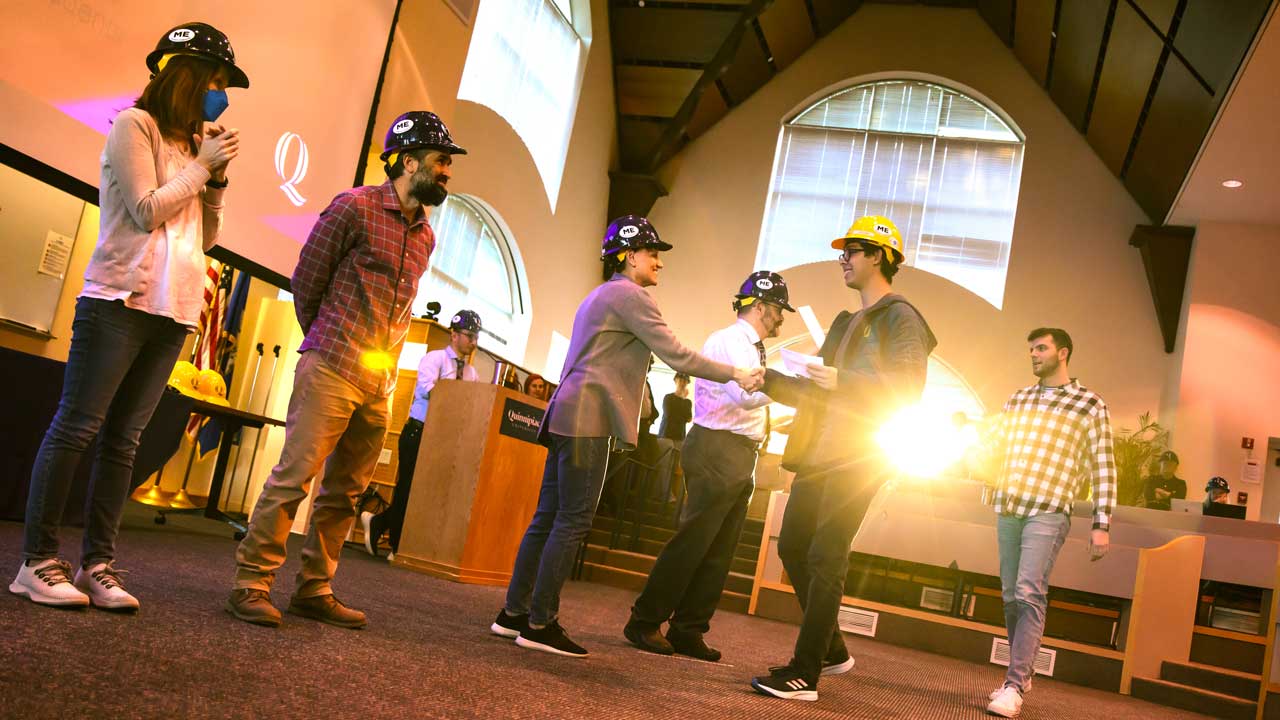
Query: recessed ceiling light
point(1233, 184)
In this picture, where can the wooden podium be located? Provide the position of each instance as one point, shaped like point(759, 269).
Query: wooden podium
point(476, 483)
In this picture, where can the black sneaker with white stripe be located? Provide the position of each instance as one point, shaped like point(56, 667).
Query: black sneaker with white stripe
point(786, 683)
point(552, 639)
point(509, 626)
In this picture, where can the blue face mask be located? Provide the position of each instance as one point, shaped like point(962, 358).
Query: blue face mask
point(215, 101)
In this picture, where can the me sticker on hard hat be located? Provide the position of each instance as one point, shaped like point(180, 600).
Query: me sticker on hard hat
point(457, 320)
point(883, 229)
point(181, 35)
point(764, 284)
point(402, 126)
point(629, 231)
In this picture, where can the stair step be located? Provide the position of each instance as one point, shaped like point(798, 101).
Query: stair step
point(628, 580)
point(1243, 685)
point(643, 564)
point(1207, 702)
point(652, 546)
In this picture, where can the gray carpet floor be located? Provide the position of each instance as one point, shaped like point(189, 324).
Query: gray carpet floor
point(427, 653)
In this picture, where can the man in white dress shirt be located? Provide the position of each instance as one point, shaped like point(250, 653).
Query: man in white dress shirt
point(730, 426)
point(448, 363)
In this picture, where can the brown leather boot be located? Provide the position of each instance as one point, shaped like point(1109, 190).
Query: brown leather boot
point(327, 609)
point(253, 606)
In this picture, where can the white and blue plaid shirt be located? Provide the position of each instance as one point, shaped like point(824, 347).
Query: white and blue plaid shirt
point(1054, 439)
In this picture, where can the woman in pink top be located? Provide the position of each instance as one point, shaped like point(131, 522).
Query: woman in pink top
point(163, 177)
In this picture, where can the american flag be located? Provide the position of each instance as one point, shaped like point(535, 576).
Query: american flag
point(206, 353)
point(210, 332)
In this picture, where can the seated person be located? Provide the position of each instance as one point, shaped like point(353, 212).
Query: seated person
point(1163, 485)
point(1216, 500)
point(535, 386)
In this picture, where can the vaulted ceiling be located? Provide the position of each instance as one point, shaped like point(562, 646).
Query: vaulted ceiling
point(1141, 79)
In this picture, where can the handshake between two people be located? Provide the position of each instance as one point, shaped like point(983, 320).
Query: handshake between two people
point(749, 379)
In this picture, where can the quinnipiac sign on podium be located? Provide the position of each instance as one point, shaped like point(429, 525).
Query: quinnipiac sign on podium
point(520, 421)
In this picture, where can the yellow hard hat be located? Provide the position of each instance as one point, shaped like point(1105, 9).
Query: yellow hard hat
point(212, 387)
point(183, 379)
point(877, 230)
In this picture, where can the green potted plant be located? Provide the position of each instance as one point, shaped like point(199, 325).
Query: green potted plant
point(1134, 451)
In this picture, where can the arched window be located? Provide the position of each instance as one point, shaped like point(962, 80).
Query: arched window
point(526, 63)
point(476, 266)
point(941, 165)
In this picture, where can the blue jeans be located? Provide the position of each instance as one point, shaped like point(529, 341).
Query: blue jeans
point(571, 483)
point(1028, 548)
point(116, 370)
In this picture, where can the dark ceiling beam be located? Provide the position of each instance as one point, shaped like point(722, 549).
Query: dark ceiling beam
point(651, 62)
point(671, 137)
point(1166, 255)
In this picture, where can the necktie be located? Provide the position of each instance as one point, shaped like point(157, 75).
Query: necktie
point(768, 424)
point(460, 366)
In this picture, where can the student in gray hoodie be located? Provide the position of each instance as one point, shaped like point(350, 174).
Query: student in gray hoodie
point(874, 363)
point(595, 408)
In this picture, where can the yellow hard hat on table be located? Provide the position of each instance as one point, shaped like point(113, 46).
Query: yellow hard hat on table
point(877, 230)
point(183, 379)
point(212, 387)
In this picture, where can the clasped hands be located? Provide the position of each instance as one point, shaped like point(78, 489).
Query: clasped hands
point(749, 379)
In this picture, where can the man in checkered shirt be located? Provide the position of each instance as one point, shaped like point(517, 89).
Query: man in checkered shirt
point(1054, 436)
point(353, 286)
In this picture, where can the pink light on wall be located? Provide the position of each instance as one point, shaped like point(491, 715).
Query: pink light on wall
point(97, 113)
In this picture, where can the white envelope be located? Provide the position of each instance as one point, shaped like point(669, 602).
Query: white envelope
point(799, 363)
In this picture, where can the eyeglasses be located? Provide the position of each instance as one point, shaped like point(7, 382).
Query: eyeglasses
point(851, 249)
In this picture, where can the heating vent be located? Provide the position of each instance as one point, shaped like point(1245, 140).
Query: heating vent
point(932, 598)
point(1045, 659)
point(858, 621)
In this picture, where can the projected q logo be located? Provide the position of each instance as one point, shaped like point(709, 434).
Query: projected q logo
point(283, 147)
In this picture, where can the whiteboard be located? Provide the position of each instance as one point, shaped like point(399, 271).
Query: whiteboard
point(38, 225)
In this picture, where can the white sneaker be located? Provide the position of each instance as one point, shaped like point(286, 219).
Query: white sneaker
point(102, 584)
point(48, 582)
point(391, 557)
point(370, 543)
point(996, 692)
point(1007, 703)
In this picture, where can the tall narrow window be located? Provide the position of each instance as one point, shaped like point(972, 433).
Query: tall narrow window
point(525, 63)
point(475, 267)
point(941, 165)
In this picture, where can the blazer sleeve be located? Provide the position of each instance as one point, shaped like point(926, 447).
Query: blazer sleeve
point(642, 318)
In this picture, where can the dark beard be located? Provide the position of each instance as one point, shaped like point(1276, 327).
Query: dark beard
point(429, 192)
point(1047, 368)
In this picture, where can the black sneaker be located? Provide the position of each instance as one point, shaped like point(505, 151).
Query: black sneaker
point(509, 626)
point(550, 639)
point(787, 684)
point(693, 645)
point(647, 638)
point(831, 665)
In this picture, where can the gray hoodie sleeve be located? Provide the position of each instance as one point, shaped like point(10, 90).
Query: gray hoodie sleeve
point(906, 347)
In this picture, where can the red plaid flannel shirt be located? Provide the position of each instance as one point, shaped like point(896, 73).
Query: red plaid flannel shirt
point(354, 283)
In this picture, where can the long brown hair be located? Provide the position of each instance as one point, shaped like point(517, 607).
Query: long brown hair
point(175, 97)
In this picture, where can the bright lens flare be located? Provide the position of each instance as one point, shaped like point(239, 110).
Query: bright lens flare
point(923, 441)
point(377, 360)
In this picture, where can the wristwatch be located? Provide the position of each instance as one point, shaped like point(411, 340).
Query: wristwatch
point(215, 184)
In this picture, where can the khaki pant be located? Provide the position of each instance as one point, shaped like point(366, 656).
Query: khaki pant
point(329, 418)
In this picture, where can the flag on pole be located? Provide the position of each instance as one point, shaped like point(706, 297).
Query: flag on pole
point(232, 305)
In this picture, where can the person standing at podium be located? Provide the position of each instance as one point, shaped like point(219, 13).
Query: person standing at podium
point(730, 426)
point(163, 182)
point(597, 405)
point(451, 362)
point(1051, 438)
point(353, 288)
